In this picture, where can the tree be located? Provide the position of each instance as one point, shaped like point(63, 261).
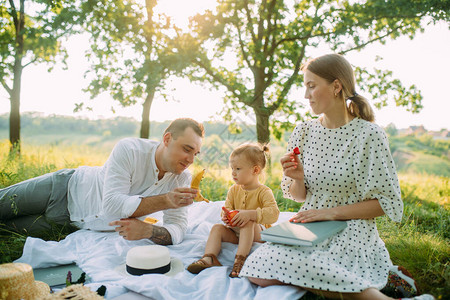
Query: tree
point(132, 54)
point(30, 37)
point(270, 39)
point(391, 130)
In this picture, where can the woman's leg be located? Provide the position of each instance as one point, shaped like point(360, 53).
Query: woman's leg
point(369, 294)
point(265, 282)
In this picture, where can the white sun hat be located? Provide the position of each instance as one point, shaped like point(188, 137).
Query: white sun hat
point(17, 282)
point(151, 259)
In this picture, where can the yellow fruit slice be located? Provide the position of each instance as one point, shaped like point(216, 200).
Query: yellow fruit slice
point(150, 220)
point(200, 197)
point(195, 184)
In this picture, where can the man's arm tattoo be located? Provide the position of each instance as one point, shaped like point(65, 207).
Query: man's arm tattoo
point(161, 236)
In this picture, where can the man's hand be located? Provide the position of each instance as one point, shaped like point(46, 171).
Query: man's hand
point(180, 197)
point(133, 229)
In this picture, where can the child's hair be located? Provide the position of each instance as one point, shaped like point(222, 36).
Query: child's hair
point(255, 153)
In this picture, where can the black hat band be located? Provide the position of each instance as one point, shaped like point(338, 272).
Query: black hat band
point(138, 272)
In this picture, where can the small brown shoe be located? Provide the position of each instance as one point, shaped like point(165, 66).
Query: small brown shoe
point(238, 264)
point(200, 265)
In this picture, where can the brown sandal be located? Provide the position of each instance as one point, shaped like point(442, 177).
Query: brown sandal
point(238, 264)
point(200, 265)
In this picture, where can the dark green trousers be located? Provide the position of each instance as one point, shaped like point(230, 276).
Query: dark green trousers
point(36, 204)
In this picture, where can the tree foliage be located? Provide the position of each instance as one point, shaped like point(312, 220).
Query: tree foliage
point(268, 40)
point(132, 54)
point(30, 33)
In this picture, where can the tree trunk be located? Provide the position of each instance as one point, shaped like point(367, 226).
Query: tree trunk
point(145, 124)
point(261, 111)
point(262, 126)
point(263, 133)
point(14, 117)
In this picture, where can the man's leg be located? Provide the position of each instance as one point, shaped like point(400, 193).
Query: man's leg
point(36, 203)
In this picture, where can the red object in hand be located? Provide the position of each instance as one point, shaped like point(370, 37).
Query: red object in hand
point(296, 151)
point(229, 213)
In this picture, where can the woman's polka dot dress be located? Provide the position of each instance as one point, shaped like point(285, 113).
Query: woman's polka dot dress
point(342, 166)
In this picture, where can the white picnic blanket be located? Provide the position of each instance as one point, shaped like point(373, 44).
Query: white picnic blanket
point(99, 254)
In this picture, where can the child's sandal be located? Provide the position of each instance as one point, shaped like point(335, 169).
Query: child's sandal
point(238, 264)
point(200, 265)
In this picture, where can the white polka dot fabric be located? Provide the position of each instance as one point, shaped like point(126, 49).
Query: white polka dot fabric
point(342, 166)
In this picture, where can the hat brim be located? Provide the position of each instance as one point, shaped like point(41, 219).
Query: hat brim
point(176, 266)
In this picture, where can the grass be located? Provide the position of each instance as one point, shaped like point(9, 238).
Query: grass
point(426, 163)
point(420, 242)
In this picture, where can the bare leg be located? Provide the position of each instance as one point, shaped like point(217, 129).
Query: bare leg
point(265, 282)
point(249, 233)
point(370, 293)
point(219, 233)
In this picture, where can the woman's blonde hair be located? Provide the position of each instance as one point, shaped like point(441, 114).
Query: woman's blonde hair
point(256, 154)
point(334, 66)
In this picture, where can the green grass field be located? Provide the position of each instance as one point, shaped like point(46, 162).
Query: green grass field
point(421, 242)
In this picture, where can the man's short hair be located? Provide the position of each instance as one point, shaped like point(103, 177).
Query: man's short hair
point(178, 126)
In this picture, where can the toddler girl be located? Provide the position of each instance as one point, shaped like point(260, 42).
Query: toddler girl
point(256, 207)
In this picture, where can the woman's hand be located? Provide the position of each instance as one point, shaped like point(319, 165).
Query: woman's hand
point(367, 209)
point(313, 215)
point(292, 167)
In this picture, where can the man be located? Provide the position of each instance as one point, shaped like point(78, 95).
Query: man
point(140, 177)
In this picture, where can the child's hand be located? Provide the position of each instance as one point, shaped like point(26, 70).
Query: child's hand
point(225, 220)
point(242, 218)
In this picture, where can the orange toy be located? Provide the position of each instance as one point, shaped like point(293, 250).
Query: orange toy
point(229, 213)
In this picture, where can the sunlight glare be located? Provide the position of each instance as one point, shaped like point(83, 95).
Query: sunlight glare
point(181, 10)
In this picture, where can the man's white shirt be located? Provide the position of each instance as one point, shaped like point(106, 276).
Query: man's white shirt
point(99, 195)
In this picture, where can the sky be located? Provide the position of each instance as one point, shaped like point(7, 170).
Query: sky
point(423, 61)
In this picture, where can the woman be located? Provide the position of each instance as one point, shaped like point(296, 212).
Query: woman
point(344, 172)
